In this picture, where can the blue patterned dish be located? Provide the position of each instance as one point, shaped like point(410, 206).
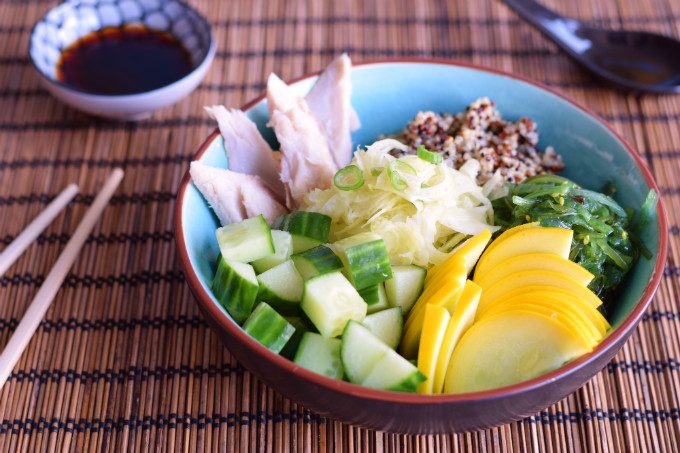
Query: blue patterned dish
point(73, 19)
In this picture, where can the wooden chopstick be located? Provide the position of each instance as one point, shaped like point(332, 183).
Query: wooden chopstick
point(14, 250)
point(43, 298)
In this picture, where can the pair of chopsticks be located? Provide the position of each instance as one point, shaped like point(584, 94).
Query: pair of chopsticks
point(43, 298)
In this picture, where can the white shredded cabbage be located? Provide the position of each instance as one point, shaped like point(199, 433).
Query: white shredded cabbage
point(421, 224)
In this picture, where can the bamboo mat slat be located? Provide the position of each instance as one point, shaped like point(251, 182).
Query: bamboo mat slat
point(125, 362)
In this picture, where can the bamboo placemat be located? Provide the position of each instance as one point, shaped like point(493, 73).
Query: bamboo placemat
point(124, 361)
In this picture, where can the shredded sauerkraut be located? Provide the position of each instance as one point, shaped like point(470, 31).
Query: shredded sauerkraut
point(431, 210)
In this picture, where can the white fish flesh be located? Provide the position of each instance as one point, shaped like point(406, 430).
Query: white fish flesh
point(247, 151)
point(306, 161)
point(235, 196)
point(330, 102)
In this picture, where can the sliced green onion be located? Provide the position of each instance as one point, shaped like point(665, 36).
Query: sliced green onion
point(375, 171)
point(349, 178)
point(429, 156)
point(393, 171)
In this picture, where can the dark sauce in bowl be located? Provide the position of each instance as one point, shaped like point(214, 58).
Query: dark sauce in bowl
point(123, 60)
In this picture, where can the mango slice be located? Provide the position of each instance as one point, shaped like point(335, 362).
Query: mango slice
point(529, 240)
point(462, 318)
point(509, 348)
point(435, 321)
point(454, 272)
point(468, 252)
point(568, 318)
point(521, 279)
point(509, 232)
point(558, 295)
point(535, 261)
point(447, 298)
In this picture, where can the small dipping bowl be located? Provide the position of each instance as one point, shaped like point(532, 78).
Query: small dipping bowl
point(70, 21)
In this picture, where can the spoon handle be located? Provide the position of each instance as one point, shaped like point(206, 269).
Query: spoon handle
point(558, 28)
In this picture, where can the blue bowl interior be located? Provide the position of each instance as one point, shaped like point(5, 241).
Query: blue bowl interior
point(387, 95)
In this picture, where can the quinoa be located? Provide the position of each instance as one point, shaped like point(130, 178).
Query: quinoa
point(479, 132)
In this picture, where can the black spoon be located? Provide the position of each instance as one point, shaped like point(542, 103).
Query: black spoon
point(633, 59)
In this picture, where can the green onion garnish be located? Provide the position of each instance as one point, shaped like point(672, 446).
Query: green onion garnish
point(429, 156)
point(393, 171)
point(349, 178)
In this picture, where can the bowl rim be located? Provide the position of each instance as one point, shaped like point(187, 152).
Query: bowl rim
point(263, 353)
point(206, 60)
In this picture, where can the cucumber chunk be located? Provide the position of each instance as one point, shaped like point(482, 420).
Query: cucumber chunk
point(245, 241)
point(281, 286)
point(405, 286)
point(387, 325)
point(316, 261)
point(365, 259)
point(268, 327)
point(308, 229)
point(301, 327)
point(283, 247)
point(370, 362)
point(393, 372)
point(360, 351)
point(235, 287)
point(375, 298)
point(320, 354)
point(329, 300)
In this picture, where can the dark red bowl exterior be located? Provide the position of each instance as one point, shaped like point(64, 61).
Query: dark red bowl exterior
point(411, 413)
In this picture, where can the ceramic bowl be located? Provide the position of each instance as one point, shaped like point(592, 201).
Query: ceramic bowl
point(71, 20)
point(386, 95)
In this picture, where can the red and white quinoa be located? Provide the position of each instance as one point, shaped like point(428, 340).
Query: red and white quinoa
point(480, 133)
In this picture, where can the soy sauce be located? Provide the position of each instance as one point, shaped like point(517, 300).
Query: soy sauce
point(123, 60)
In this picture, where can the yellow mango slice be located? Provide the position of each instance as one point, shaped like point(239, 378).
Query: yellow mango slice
point(446, 298)
point(461, 319)
point(555, 294)
point(509, 348)
point(455, 276)
point(567, 318)
point(529, 240)
point(468, 252)
point(535, 261)
point(509, 232)
point(521, 279)
point(434, 326)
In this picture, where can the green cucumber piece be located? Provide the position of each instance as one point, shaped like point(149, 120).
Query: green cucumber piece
point(281, 286)
point(308, 229)
point(365, 259)
point(316, 261)
point(375, 298)
point(330, 300)
point(360, 350)
point(393, 372)
point(245, 241)
point(301, 326)
point(387, 325)
point(283, 247)
point(370, 362)
point(268, 327)
point(235, 287)
point(320, 354)
point(405, 286)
